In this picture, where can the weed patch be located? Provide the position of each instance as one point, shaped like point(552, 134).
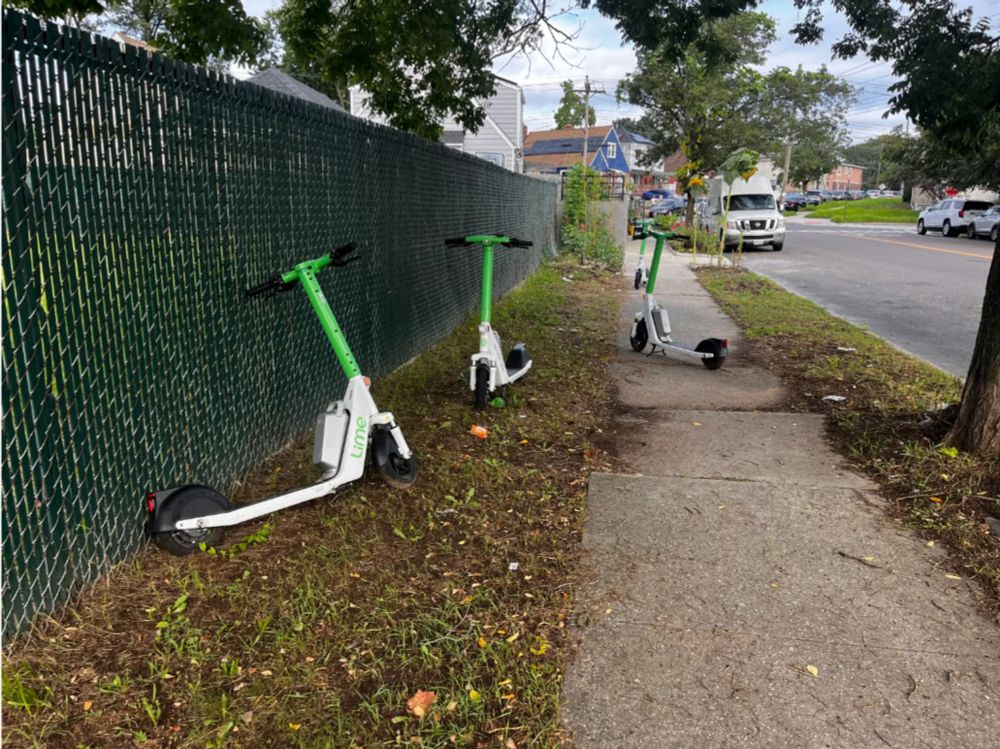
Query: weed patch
point(314, 627)
point(881, 423)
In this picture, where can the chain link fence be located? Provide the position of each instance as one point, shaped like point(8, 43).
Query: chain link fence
point(141, 196)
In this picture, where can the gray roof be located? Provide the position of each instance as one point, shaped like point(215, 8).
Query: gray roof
point(627, 136)
point(279, 81)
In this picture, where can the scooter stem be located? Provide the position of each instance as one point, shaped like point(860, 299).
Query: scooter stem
point(655, 266)
point(307, 277)
point(486, 301)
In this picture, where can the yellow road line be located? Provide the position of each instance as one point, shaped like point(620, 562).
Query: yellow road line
point(911, 244)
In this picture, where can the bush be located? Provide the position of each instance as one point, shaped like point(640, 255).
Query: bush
point(593, 243)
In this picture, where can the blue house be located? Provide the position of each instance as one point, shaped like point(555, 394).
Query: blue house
point(555, 151)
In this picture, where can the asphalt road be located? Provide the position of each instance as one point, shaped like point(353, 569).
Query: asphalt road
point(922, 294)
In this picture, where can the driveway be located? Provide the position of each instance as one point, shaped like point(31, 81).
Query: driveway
point(922, 294)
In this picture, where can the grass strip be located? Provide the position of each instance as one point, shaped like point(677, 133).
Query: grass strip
point(314, 627)
point(944, 494)
point(865, 211)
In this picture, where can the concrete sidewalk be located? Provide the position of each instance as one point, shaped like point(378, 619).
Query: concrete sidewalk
point(746, 589)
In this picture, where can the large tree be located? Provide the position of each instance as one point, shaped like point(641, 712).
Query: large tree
point(572, 109)
point(196, 31)
point(419, 63)
point(947, 63)
point(704, 104)
point(804, 112)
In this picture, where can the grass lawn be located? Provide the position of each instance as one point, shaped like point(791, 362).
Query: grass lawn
point(868, 210)
point(313, 628)
point(942, 493)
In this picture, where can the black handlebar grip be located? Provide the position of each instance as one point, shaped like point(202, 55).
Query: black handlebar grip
point(268, 285)
point(455, 242)
point(341, 252)
point(520, 243)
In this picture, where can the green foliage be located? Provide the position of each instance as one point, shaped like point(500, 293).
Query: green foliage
point(673, 26)
point(571, 109)
point(203, 32)
point(869, 210)
point(582, 187)
point(697, 102)
point(593, 242)
point(805, 109)
point(418, 62)
point(18, 692)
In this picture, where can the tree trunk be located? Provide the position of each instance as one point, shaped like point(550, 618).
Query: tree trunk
point(977, 429)
point(689, 210)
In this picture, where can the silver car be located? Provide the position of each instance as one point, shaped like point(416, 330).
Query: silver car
point(950, 217)
point(986, 224)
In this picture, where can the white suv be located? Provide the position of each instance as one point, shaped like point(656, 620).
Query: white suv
point(950, 217)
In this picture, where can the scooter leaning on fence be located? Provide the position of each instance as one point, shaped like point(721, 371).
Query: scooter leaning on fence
point(652, 324)
point(490, 370)
point(185, 517)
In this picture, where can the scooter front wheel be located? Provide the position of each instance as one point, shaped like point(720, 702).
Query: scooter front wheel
point(396, 470)
point(482, 387)
point(638, 278)
point(640, 338)
point(191, 502)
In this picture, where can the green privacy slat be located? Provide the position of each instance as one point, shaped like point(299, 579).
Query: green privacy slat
point(141, 196)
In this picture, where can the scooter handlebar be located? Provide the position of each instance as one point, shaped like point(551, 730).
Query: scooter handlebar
point(462, 241)
point(271, 284)
point(338, 257)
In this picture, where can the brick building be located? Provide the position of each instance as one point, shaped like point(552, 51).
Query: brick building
point(844, 177)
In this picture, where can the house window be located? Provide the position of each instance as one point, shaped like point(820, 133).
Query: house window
point(492, 157)
point(612, 150)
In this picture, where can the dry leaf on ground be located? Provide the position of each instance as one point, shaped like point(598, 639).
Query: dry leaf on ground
point(420, 703)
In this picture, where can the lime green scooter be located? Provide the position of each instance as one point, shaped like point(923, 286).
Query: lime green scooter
point(185, 517)
point(652, 324)
point(490, 370)
point(641, 271)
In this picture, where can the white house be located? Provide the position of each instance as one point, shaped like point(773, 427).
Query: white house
point(500, 140)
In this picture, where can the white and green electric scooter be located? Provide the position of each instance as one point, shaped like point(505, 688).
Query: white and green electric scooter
point(652, 324)
point(490, 370)
point(185, 517)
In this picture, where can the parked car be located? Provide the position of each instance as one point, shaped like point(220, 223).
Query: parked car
point(858, 194)
point(658, 193)
point(987, 224)
point(814, 197)
point(795, 200)
point(841, 195)
point(873, 193)
point(825, 195)
point(668, 206)
point(950, 217)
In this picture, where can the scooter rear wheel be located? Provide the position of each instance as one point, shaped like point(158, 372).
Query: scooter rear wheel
point(396, 470)
point(641, 337)
point(191, 502)
point(482, 387)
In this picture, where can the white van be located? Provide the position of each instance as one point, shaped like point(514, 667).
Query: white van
point(753, 213)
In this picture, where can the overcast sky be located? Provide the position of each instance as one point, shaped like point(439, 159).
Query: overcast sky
point(602, 55)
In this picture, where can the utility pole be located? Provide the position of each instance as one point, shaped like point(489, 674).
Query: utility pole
point(788, 163)
point(587, 90)
point(878, 172)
